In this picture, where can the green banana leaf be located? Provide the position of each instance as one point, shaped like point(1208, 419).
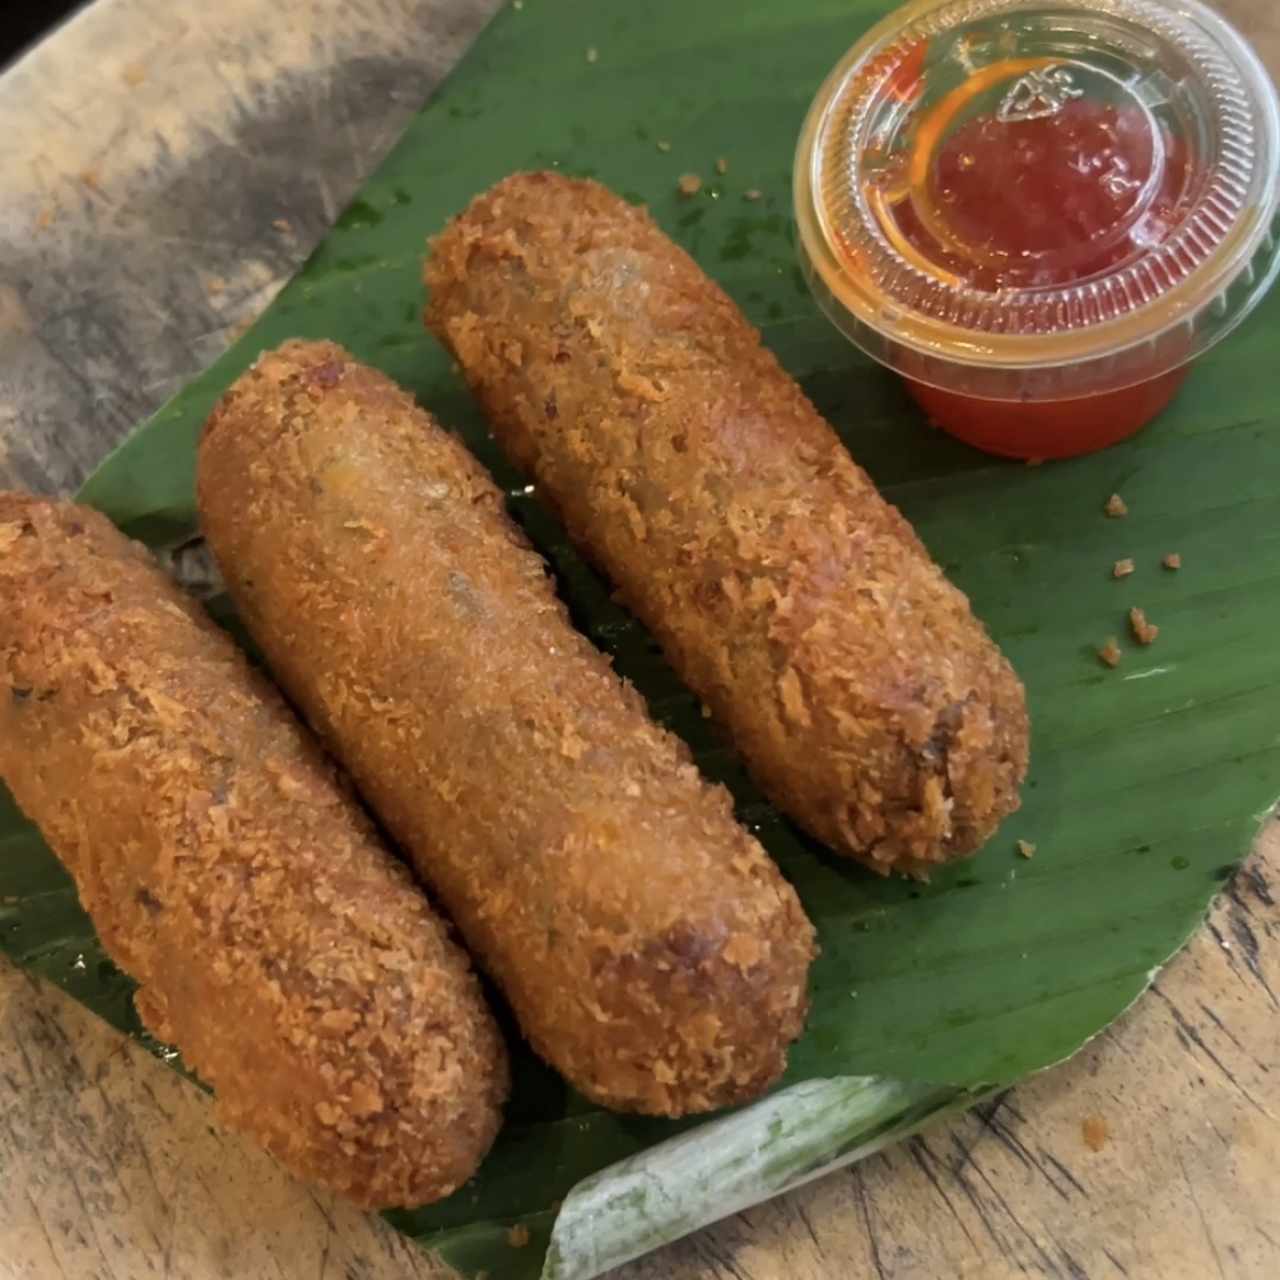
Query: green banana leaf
point(1148, 782)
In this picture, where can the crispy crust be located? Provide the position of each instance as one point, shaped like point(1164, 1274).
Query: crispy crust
point(649, 948)
point(785, 591)
point(228, 869)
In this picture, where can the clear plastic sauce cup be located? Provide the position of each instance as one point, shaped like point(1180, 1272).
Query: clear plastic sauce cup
point(1041, 213)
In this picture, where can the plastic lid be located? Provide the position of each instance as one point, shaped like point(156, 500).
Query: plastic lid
point(1024, 200)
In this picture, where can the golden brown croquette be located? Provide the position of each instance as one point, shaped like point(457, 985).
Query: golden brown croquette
point(796, 602)
point(650, 949)
point(228, 869)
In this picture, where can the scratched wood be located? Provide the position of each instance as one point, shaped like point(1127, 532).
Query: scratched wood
point(163, 176)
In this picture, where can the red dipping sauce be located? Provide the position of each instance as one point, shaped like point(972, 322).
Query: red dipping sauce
point(1041, 214)
point(1052, 200)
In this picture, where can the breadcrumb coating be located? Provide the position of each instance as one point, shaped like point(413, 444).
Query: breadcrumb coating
point(649, 948)
point(798, 604)
point(228, 868)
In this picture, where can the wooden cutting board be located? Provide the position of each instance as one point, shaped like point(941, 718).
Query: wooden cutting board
point(163, 176)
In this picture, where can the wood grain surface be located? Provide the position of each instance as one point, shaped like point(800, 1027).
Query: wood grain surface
point(165, 168)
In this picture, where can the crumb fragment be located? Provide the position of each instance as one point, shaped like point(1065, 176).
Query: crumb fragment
point(793, 701)
point(134, 74)
point(593, 54)
point(722, 166)
point(215, 286)
point(1116, 508)
point(1173, 561)
point(518, 1236)
point(90, 179)
point(1026, 849)
point(1110, 653)
point(753, 194)
point(663, 145)
point(689, 185)
point(1123, 568)
point(282, 224)
point(1144, 632)
point(45, 218)
point(1095, 1132)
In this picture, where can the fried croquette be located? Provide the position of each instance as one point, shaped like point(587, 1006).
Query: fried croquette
point(226, 866)
point(800, 606)
point(649, 948)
